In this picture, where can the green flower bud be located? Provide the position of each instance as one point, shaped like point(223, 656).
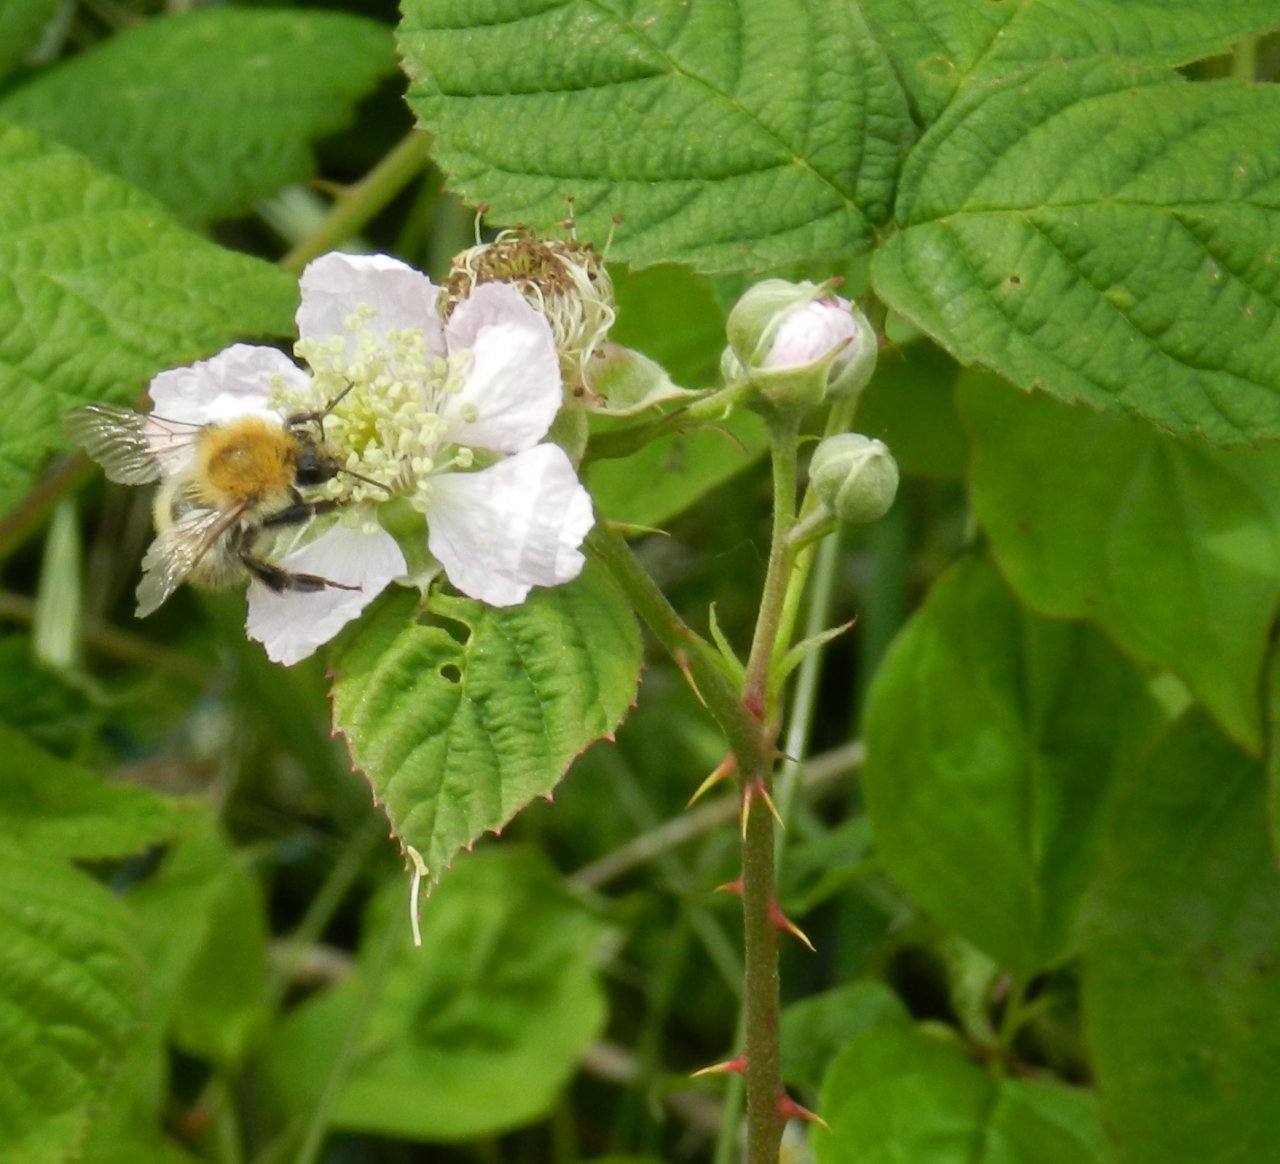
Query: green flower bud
point(854, 476)
point(799, 344)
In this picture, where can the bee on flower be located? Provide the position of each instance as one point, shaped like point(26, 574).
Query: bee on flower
point(444, 418)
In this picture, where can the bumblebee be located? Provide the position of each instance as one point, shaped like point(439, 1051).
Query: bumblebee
point(224, 487)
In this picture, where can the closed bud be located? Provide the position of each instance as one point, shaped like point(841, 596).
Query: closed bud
point(799, 344)
point(854, 476)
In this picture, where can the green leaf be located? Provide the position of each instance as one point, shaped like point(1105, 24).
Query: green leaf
point(700, 125)
point(101, 291)
point(210, 109)
point(910, 405)
point(61, 809)
point(667, 476)
point(1182, 977)
point(893, 1095)
point(938, 47)
point(993, 738)
point(814, 1029)
point(459, 720)
point(21, 23)
point(128, 1130)
point(1173, 549)
point(1106, 234)
point(70, 1002)
point(1272, 754)
point(672, 316)
point(472, 1034)
point(205, 937)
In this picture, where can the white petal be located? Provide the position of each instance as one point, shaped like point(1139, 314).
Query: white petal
point(234, 383)
point(335, 285)
point(512, 526)
point(513, 381)
point(810, 332)
point(293, 624)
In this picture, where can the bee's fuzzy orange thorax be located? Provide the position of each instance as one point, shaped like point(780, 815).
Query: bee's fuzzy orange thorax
point(248, 461)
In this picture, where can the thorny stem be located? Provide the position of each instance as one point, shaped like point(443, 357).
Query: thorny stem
point(750, 727)
point(764, 1069)
point(750, 723)
point(690, 651)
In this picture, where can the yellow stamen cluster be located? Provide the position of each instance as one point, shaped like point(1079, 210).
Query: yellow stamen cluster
point(565, 280)
point(380, 409)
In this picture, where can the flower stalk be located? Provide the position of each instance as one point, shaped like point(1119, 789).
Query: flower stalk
point(750, 725)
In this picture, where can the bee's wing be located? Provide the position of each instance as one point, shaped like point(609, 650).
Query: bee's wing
point(112, 436)
point(177, 551)
point(131, 448)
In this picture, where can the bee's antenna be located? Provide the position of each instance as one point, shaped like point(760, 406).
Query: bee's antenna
point(367, 480)
point(335, 401)
point(318, 417)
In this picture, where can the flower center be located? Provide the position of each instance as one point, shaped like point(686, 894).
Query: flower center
point(380, 399)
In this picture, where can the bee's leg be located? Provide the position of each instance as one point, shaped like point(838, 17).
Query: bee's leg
point(300, 511)
point(280, 580)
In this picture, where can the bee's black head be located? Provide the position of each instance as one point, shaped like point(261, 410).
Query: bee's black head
point(314, 466)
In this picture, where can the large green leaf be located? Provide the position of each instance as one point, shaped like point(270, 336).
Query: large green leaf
point(910, 405)
point(672, 316)
point(62, 809)
point(1182, 977)
point(210, 109)
point(472, 1034)
point(815, 1029)
point(99, 290)
point(1172, 548)
point(731, 134)
point(939, 45)
point(462, 717)
point(70, 1001)
point(993, 738)
point(894, 1096)
point(1107, 234)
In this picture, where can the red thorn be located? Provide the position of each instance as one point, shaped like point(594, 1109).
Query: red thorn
point(754, 705)
point(722, 771)
point(750, 792)
point(736, 1066)
point(783, 922)
point(790, 1110)
point(731, 887)
point(682, 661)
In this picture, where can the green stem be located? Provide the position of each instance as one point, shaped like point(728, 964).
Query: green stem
point(785, 430)
point(1244, 67)
point(356, 205)
point(759, 893)
point(32, 513)
point(622, 442)
point(804, 701)
point(695, 656)
point(1011, 1020)
point(747, 721)
point(369, 989)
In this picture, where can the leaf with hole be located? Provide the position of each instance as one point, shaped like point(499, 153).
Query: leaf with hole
point(462, 714)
